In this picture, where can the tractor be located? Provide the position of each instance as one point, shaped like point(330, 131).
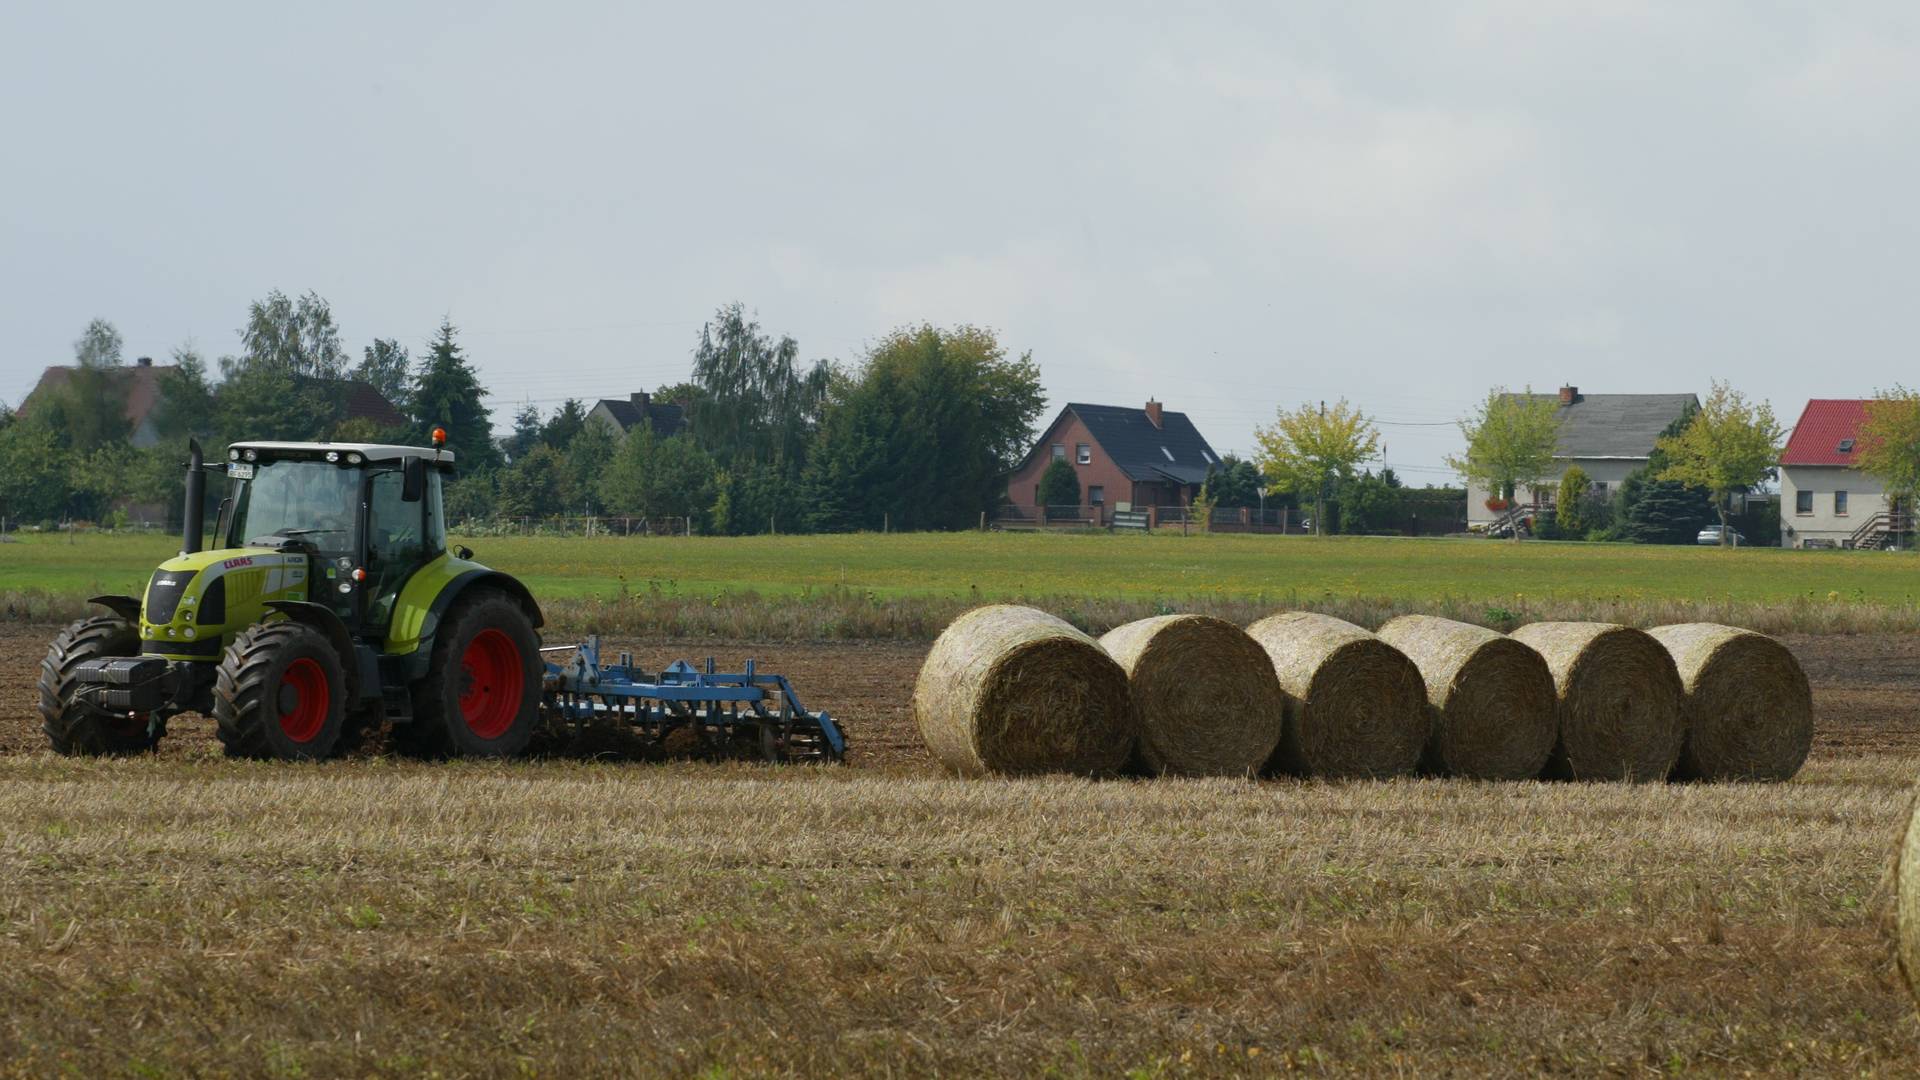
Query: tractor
point(326, 606)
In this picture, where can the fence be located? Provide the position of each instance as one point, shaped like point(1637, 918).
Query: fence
point(574, 526)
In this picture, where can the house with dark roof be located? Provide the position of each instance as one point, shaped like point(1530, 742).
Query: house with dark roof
point(1126, 458)
point(1825, 500)
point(620, 417)
point(1607, 435)
point(142, 378)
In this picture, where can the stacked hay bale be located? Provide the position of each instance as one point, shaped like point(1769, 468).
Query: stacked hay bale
point(1009, 689)
point(1621, 706)
point(1491, 698)
point(1749, 710)
point(1906, 905)
point(1209, 701)
point(1356, 707)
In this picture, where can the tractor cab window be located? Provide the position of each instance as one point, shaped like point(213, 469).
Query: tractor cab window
point(436, 516)
point(312, 501)
point(396, 542)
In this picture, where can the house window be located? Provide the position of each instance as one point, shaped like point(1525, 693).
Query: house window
point(1167, 452)
point(1839, 504)
point(1059, 452)
point(1845, 447)
point(1083, 454)
point(1096, 496)
point(1803, 502)
point(1208, 457)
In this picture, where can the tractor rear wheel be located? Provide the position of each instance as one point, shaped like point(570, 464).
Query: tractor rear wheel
point(481, 696)
point(74, 725)
point(281, 693)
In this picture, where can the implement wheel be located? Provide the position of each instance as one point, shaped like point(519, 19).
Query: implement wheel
point(481, 696)
point(281, 693)
point(75, 726)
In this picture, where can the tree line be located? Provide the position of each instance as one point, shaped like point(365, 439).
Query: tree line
point(917, 432)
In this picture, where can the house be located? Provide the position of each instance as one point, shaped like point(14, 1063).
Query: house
point(1825, 500)
point(1607, 435)
point(1126, 458)
point(620, 417)
point(361, 400)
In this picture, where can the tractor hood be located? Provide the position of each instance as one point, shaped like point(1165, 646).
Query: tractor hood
point(196, 602)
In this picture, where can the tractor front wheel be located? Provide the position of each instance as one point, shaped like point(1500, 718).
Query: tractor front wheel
point(481, 696)
point(75, 725)
point(281, 693)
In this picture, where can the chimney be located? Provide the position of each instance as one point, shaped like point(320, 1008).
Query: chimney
point(145, 361)
point(1153, 412)
point(1569, 395)
point(641, 399)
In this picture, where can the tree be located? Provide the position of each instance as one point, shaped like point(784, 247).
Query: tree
point(1890, 443)
point(754, 402)
point(585, 457)
point(1728, 446)
point(1511, 440)
point(90, 410)
point(384, 366)
point(1308, 451)
point(1667, 512)
point(1570, 502)
point(1371, 504)
point(285, 384)
point(526, 432)
point(33, 471)
point(564, 425)
point(1059, 485)
point(447, 394)
point(531, 486)
point(185, 406)
point(1235, 483)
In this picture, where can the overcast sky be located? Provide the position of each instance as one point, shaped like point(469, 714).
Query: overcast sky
point(1231, 208)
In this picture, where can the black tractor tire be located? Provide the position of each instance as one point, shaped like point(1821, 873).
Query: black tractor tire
point(281, 692)
point(76, 727)
point(481, 695)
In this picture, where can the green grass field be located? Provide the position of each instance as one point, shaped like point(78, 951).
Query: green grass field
point(999, 565)
point(909, 586)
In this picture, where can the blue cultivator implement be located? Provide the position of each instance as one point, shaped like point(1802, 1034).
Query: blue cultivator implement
point(720, 709)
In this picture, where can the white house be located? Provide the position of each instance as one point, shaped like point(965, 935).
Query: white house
point(1825, 500)
point(667, 419)
point(1607, 435)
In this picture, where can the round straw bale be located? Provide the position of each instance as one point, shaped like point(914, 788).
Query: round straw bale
point(1009, 689)
point(1906, 906)
point(1209, 702)
point(1749, 708)
point(1621, 707)
point(1355, 705)
point(1490, 697)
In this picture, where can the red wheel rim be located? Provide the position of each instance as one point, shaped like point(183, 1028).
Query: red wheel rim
point(311, 697)
point(492, 684)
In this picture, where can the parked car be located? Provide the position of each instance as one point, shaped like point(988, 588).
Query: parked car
point(1710, 536)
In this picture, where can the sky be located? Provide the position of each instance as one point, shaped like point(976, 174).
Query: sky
point(1231, 208)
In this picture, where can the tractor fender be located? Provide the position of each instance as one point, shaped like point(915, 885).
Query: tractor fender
point(124, 606)
point(459, 586)
point(352, 661)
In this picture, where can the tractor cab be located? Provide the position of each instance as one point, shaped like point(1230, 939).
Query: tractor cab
point(367, 517)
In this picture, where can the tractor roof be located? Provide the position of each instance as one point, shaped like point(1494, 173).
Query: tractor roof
point(370, 451)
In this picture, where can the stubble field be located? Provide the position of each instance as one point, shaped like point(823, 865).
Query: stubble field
point(186, 915)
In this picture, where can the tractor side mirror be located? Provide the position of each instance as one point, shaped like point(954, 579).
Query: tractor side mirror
point(413, 479)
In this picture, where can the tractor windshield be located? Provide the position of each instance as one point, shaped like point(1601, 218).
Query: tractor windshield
point(314, 501)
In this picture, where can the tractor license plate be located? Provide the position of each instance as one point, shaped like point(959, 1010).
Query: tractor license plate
point(240, 470)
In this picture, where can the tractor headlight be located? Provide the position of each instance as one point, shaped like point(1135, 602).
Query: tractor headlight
point(233, 455)
point(252, 455)
point(333, 456)
point(187, 633)
point(353, 459)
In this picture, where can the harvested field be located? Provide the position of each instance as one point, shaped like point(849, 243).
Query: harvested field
point(373, 917)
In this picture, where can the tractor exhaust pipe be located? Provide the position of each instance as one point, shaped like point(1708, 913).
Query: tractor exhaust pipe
point(195, 513)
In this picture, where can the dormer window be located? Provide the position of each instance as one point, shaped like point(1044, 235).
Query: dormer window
point(1845, 447)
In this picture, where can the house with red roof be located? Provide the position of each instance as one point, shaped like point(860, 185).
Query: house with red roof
point(1825, 500)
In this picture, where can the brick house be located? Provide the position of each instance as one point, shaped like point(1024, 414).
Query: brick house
point(1825, 500)
point(1125, 458)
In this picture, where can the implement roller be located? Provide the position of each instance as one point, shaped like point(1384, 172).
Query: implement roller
point(721, 709)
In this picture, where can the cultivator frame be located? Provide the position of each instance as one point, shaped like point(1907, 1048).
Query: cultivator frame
point(721, 709)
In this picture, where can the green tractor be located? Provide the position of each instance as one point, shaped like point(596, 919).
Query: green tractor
point(326, 606)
